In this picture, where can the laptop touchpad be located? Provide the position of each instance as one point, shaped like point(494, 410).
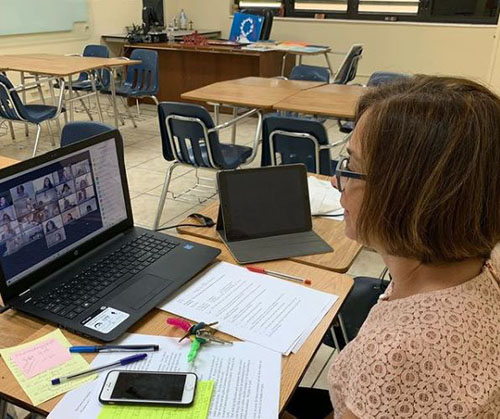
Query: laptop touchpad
point(142, 290)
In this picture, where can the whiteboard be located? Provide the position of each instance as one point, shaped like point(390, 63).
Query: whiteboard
point(36, 16)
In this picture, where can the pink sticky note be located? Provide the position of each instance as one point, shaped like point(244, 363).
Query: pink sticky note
point(41, 357)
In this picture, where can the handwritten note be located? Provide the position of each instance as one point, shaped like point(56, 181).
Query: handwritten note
point(41, 357)
point(198, 410)
point(35, 379)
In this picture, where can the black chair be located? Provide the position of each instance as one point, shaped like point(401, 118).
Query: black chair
point(376, 79)
point(189, 137)
point(268, 21)
point(297, 140)
point(349, 67)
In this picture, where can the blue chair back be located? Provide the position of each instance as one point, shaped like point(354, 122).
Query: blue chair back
point(349, 67)
point(185, 140)
point(101, 51)
point(292, 149)
point(381, 77)
point(11, 106)
point(78, 131)
point(143, 78)
point(310, 73)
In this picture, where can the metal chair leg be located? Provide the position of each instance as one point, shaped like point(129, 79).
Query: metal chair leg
point(125, 105)
point(155, 99)
point(233, 128)
point(163, 197)
point(12, 132)
point(84, 105)
point(335, 340)
point(122, 121)
point(342, 327)
point(37, 139)
point(138, 108)
point(97, 101)
point(51, 133)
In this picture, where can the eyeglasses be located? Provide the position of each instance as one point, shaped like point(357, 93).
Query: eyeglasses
point(342, 171)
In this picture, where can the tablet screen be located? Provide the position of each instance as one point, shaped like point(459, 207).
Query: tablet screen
point(265, 201)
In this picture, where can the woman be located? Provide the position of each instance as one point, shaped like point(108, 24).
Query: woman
point(50, 226)
point(421, 186)
point(6, 218)
point(47, 184)
point(4, 203)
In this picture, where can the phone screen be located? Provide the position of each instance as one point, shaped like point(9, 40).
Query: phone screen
point(141, 386)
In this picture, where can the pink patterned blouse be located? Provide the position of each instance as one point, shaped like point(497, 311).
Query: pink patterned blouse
point(434, 355)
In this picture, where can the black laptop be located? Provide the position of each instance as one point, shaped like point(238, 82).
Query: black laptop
point(69, 251)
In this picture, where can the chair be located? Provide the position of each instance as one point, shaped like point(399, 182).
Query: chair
point(268, 21)
point(376, 79)
point(297, 140)
point(13, 109)
point(349, 67)
point(190, 138)
point(78, 131)
point(310, 73)
point(141, 79)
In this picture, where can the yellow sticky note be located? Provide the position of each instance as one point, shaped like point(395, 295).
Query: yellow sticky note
point(45, 354)
point(198, 410)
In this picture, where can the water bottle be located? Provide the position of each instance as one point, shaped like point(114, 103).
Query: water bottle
point(183, 21)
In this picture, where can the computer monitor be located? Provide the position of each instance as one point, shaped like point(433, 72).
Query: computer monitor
point(152, 13)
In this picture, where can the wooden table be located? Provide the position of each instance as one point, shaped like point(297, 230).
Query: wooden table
point(252, 92)
point(334, 100)
point(332, 231)
point(64, 66)
point(17, 328)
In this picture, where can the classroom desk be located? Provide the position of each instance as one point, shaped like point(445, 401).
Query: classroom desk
point(252, 92)
point(17, 328)
point(64, 66)
point(332, 231)
point(334, 100)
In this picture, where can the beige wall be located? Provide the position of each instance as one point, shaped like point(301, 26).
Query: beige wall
point(435, 49)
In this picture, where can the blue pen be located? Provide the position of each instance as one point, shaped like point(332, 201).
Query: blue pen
point(114, 348)
point(123, 361)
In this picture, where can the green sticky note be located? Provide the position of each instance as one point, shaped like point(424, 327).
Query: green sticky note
point(198, 410)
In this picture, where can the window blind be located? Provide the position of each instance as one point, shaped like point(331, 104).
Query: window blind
point(322, 5)
point(389, 6)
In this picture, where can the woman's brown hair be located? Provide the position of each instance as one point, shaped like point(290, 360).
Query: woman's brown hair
point(431, 152)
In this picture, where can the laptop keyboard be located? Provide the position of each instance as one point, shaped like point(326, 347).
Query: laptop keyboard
point(76, 294)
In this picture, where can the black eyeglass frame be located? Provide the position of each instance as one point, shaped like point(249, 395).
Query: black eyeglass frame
point(346, 173)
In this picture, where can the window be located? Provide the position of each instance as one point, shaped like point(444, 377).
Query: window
point(444, 11)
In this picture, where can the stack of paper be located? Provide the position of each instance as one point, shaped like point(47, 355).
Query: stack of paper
point(36, 363)
point(324, 198)
point(246, 379)
point(270, 312)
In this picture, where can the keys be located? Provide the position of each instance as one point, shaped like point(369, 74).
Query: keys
point(208, 335)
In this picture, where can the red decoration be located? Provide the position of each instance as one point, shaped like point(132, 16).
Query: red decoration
point(195, 39)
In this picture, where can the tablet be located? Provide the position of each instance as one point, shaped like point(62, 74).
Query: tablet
point(264, 202)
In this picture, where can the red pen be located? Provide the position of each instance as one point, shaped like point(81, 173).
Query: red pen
point(278, 274)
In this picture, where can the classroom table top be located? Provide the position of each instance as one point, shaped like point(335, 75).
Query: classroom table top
point(334, 100)
point(58, 65)
point(332, 231)
point(17, 328)
point(253, 92)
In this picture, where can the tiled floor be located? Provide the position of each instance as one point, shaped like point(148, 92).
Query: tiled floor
point(145, 172)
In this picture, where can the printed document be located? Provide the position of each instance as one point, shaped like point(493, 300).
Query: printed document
point(258, 308)
point(247, 377)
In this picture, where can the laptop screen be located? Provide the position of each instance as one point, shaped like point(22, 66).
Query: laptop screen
point(264, 202)
point(50, 209)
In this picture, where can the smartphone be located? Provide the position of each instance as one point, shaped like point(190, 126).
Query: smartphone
point(149, 388)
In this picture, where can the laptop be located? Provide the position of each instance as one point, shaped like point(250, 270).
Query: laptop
point(69, 251)
point(265, 214)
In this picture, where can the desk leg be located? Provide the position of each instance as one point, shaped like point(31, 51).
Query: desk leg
point(233, 128)
point(216, 113)
point(113, 94)
point(96, 93)
point(70, 98)
point(283, 65)
point(54, 103)
point(300, 59)
point(26, 128)
point(327, 58)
